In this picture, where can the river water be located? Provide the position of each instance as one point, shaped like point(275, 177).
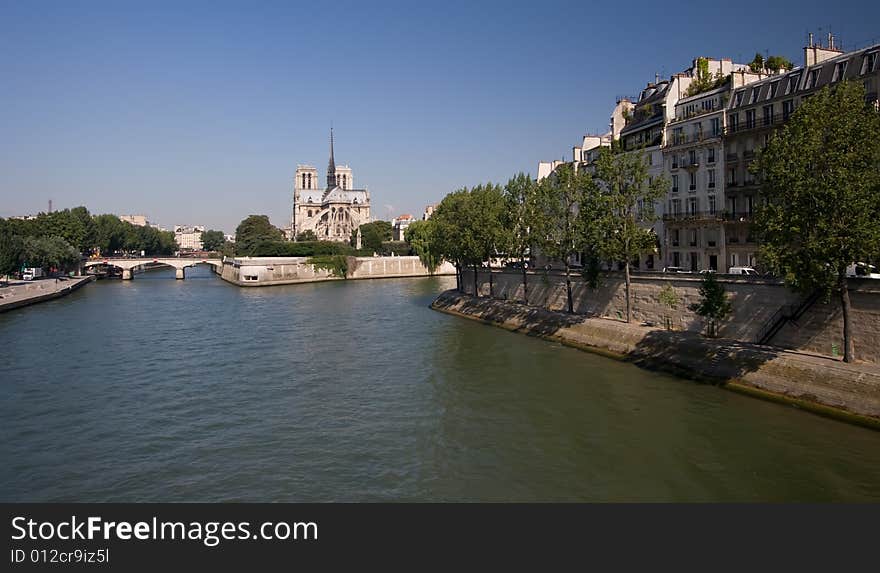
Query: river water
point(196, 390)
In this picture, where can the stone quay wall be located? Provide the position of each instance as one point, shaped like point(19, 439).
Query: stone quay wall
point(269, 271)
point(23, 294)
point(755, 301)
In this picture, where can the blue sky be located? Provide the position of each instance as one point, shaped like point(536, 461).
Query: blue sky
point(198, 113)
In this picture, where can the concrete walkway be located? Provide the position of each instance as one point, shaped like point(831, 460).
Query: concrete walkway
point(23, 293)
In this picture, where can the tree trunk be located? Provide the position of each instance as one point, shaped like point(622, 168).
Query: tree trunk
point(458, 285)
point(475, 281)
point(628, 307)
point(568, 288)
point(491, 286)
point(525, 281)
point(848, 346)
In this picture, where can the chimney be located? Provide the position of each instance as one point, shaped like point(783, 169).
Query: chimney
point(815, 53)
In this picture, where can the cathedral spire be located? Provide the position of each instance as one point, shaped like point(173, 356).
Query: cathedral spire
point(331, 165)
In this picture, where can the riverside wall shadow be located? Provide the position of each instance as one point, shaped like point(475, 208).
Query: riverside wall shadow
point(755, 301)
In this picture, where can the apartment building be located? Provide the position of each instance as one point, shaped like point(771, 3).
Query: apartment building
point(755, 110)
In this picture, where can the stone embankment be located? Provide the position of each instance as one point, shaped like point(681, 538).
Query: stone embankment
point(269, 271)
point(23, 293)
point(815, 383)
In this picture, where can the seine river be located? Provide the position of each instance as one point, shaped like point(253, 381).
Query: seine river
point(195, 390)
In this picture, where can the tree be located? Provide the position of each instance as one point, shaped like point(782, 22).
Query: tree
point(213, 240)
point(714, 304)
point(10, 249)
point(556, 225)
point(448, 222)
point(757, 63)
point(373, 235)
point(776, 63)
point(670, 300)
point(307, 235)
point(630, 198)
point(48, 253)
point(821, 195)
point(253, 230)
point(421, 235)
point(704, 80)
point(484, 223)
point(520, 196)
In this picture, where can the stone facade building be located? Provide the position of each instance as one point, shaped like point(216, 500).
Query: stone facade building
point(333, 212)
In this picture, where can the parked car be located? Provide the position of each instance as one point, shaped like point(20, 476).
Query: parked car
point(517, 264)
point(742, 271)
point(676, 270)
point(708, 271)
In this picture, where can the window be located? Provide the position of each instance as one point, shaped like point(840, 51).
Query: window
point(812, 78)
point(839, 71)
point(716, 126)
point(787, 108)
point(676, 206)
point(698, 131)
point(711, 237)
point(674, 161)
point(710, 155)
point(731, 177)
point(754, 95)
point(774, 87)
point(738, 98)
point(693, 181)
point(675, 183)
point(650, 159)
point(734, 122)
point(749, 205)
point(692, 157)
point(768, 114)
point(868, 63)
point(674, 237)
point(692, 205)
point(677, 136)
point(711, 173)
point(793, 81)
point(693, 237)
point(711, 199)
point(750, 119)
point(310, 212)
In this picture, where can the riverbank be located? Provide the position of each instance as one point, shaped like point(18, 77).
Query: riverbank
point(24, 293)
point(272, 271)
point(850, 392)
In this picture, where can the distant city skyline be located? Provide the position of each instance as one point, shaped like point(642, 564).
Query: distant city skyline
point(198, 115)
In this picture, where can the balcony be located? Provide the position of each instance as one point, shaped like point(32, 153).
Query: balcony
point(736, 217)
point(711, 185)
point(675, 189)
point(732, 156)
point(693, 216)
point(690, 139)
point(692, 188)
point(757, 124)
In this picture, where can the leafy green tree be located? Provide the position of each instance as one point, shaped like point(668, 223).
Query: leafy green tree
point(557, 228)
point(714, 304)
point(630, 196)
point(373, 235)
point(757, 63)
point(421, 235)
point(670, 300)
point(48, 253)
point(821, 189)
point(307, 235)
point(520, 199)
point(253, 230)
point(213, 240)
point(776, 63)
point(448, 221)
point(10, 249)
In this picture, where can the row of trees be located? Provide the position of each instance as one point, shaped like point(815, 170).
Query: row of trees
point(59, 238)
point(819, 210)
point(604, 213)
point(257, 237)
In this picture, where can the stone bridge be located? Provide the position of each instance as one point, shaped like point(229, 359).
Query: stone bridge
point(130, 266)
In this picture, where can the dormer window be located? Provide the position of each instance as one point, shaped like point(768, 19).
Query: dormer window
point(739, 98)
point(754, 96)
point(774, 87)
point(812, 78)
point(839, 71)
point(792, 84)
point(868, 63)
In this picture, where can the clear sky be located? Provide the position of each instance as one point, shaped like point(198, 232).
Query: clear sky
point(198, 112)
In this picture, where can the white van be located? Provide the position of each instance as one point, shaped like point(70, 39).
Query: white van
point(742, 271)
point(30, 274)
point(862, 270)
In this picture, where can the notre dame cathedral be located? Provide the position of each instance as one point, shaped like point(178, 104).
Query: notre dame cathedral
point(333, 212)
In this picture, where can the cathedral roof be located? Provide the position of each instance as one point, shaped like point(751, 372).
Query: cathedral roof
point(340, 195)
